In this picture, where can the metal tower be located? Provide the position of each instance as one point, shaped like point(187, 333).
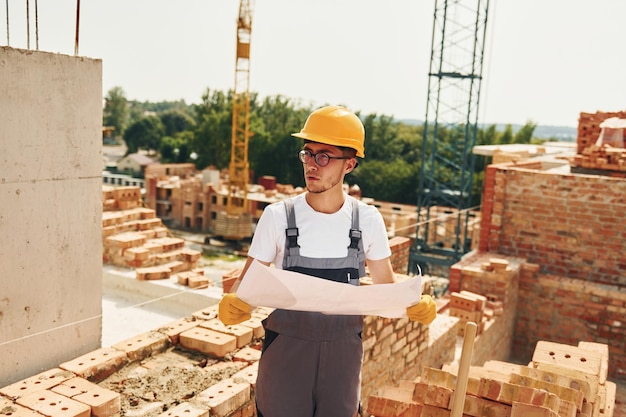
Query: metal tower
point(454, 81)
point(236, 222)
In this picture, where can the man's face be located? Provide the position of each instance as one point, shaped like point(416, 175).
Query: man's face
point(318, 178)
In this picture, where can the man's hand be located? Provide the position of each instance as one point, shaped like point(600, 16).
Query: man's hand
point(423, 312)
point(233, 310)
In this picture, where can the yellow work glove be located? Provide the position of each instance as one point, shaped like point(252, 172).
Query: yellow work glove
point(232, 310)
point(423, 312)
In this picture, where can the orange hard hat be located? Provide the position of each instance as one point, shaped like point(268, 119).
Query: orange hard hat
point(337, 126)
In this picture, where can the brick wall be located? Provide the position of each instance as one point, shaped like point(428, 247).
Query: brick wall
point(570, 225)
point(572, 229)
point(397, 350)
point(400, 250)
point(569, 310)
point(499, 286)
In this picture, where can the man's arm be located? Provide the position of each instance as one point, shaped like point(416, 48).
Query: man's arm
point(381, 271)
point(243, 272)
point(231, 309)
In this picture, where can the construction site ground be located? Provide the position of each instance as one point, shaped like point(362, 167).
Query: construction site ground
point(131, 308)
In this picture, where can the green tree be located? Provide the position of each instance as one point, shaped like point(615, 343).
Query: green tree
point(145, 133)
point(212, 133)
point(115, 111)
point(381, 138)
point(176, 149)
point(272, 149)
point(175, 121)
point(386, 181)
point(525, 134)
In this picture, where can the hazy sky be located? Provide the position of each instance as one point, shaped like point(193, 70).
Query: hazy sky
point(545, 60)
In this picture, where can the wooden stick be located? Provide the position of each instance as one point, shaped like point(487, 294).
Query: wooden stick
point(464, 366)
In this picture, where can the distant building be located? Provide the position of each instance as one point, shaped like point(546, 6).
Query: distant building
point(134, 164)
point(187, 199)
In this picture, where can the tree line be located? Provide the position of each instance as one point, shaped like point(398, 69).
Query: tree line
point(177, 132)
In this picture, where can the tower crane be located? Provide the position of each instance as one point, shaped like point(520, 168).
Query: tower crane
point(236, 222)
point(455, 76)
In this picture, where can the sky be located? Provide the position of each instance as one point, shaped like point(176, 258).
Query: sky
point(546, 61)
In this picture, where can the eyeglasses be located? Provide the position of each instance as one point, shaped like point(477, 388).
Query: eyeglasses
point(321, 159)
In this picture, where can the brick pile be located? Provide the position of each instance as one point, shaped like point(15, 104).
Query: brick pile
point(602, 157)
point(560, 381)
point(77, 388)
point(598, 157)
point(229, 352)
point(589, 127)
point(133, 237)
point(496, 278)
point(468, 306)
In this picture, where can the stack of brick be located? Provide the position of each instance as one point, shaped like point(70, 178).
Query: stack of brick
point(589, 127)
point(468, 306)
point(58, 392)
point(601, 157)
point(194, 278)
point(229, 278)
point(590, 155)
point(486, 273)
point(133, 237)
point(78, 388)
point(561, 381)
point(495, 277)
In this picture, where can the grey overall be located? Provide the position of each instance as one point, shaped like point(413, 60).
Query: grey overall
point(311, 362)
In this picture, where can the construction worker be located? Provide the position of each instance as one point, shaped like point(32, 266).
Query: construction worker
point(311, 362)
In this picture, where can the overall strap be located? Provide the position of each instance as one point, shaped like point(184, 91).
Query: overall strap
point(291, 233)
point(356, 243)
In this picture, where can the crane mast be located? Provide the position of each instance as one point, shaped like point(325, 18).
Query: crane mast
point(236, 223)
point(455, 77)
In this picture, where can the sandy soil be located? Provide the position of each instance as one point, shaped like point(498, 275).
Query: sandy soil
point(150, 387)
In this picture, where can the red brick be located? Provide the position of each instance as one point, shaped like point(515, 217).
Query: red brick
point(97, 365)
point(52, 404)
point(143, 345)
point(9, 408)
point(529, 410)
point(187, 410)
point(39, 382)
point(464, 301)
point(225, 397)
point(432, 395)
point(247, 354)
point(103, 402)
point(248, 374)
point(568, 357)
point(208, 341)
point(175, 328)
point(242, 334)
point(393, 402)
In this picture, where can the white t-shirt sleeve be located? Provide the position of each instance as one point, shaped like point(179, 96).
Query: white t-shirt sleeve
point(375, 239)
point(269, 236)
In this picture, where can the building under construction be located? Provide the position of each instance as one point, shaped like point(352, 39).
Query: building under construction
point(545, 284)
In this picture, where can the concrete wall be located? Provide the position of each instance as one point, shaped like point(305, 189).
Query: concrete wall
point(50, 210)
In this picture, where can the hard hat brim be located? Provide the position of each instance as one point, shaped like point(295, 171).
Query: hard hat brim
point(340, 142)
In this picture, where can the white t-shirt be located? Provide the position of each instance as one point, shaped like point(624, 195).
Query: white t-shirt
point(321, 235)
